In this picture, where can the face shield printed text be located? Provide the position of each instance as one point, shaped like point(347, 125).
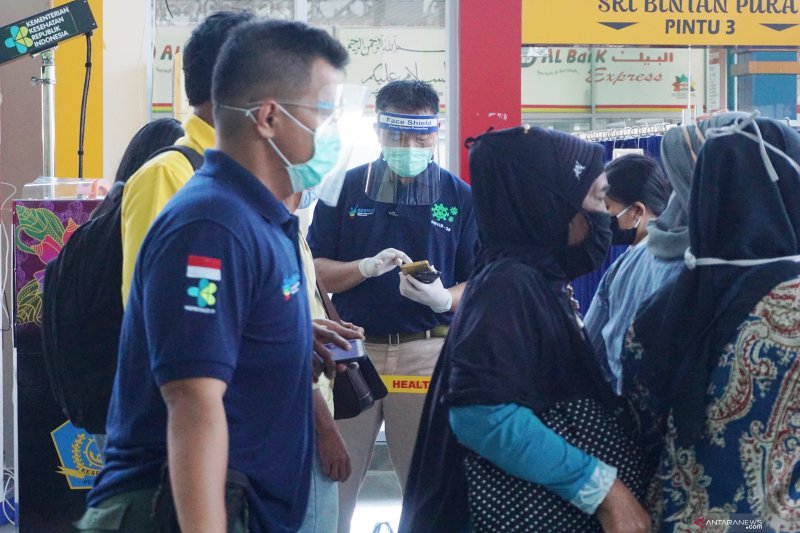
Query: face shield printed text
point(400, 123)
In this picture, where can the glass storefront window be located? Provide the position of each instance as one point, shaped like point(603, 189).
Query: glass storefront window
point(577, 88)
point(388, 40)
point(621, 86)
point(376, 13)
point(191, 12)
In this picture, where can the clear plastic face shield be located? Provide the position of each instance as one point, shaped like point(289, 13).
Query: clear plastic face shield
point(344, 105)
point(406, 172)
point(339, 109)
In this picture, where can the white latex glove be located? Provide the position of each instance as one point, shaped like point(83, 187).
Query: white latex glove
point(434, 295)
point(371, 267)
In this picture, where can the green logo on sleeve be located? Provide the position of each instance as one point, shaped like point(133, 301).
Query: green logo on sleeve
point(204, 292)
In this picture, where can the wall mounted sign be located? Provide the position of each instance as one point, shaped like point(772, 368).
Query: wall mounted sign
point(377, 56)
point(663, 22)
point(45, 30)
point(381, 55)
point(625, 80)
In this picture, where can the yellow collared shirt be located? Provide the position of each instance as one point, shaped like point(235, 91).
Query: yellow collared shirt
point(150, 188)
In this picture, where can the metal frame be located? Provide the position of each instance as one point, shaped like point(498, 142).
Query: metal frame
point(631, 132)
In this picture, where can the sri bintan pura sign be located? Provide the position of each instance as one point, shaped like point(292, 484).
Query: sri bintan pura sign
point(662, 22)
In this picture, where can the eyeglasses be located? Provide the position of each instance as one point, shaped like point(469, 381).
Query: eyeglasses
point(325, 110)
point(411, 139)
point(326, 113)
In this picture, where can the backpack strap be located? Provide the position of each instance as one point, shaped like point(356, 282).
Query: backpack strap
point(195, 159)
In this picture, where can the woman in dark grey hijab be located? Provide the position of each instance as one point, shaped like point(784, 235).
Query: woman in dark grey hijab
point(668, 235)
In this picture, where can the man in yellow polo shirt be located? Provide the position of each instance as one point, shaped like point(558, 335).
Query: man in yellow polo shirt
point(152, 186)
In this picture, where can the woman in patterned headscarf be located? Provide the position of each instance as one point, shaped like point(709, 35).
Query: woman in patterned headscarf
point(713, 364)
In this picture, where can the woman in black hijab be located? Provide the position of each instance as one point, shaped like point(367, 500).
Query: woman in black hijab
point(520, 432)
point(714, 355)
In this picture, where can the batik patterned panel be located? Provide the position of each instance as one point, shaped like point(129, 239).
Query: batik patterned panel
point(748, 460)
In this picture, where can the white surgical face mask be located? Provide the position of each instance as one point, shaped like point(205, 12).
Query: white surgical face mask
point(692, 262)
point(738, 128)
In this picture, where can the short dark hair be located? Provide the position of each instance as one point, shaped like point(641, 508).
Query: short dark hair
point(271, 58)
point(408, 95)
point(200, 52)
point(151, 137)
point(638, 178)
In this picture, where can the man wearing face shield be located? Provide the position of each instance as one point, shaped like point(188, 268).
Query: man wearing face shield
point(400, 208)
point(215, 365)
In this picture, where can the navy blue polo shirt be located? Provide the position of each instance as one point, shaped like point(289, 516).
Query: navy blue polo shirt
point(443, 233)
point(218, 291)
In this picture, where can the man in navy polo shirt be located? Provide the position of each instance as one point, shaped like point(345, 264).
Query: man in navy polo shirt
point(214, 374)
point(400, 208)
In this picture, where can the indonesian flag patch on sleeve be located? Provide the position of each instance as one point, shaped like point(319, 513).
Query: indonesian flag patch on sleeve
point(201, 267)
point(203, 271)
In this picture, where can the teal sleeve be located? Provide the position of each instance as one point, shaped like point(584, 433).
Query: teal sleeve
point(514, 439)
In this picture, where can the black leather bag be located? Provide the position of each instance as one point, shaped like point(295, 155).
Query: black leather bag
point(356, 389)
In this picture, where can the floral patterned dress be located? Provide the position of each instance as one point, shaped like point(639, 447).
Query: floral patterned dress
point(747, 463)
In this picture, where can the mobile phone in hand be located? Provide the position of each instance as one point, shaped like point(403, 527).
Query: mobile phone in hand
point(340, 355)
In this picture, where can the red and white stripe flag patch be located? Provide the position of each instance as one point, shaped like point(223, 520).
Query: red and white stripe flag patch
point(201, 267)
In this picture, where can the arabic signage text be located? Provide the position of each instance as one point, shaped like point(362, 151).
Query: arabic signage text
point(381, 55)
point(377, 56)
point(662, 22)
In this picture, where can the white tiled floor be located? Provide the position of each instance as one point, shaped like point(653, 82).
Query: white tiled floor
point(368, 514)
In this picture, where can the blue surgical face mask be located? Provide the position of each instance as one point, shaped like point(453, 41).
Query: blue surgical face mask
point(306, 199)
point(407, 161)
point(327, 146)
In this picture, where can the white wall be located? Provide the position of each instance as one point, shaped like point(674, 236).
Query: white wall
point(127, 53)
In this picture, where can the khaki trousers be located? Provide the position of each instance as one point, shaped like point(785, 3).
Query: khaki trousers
point(400, 410)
